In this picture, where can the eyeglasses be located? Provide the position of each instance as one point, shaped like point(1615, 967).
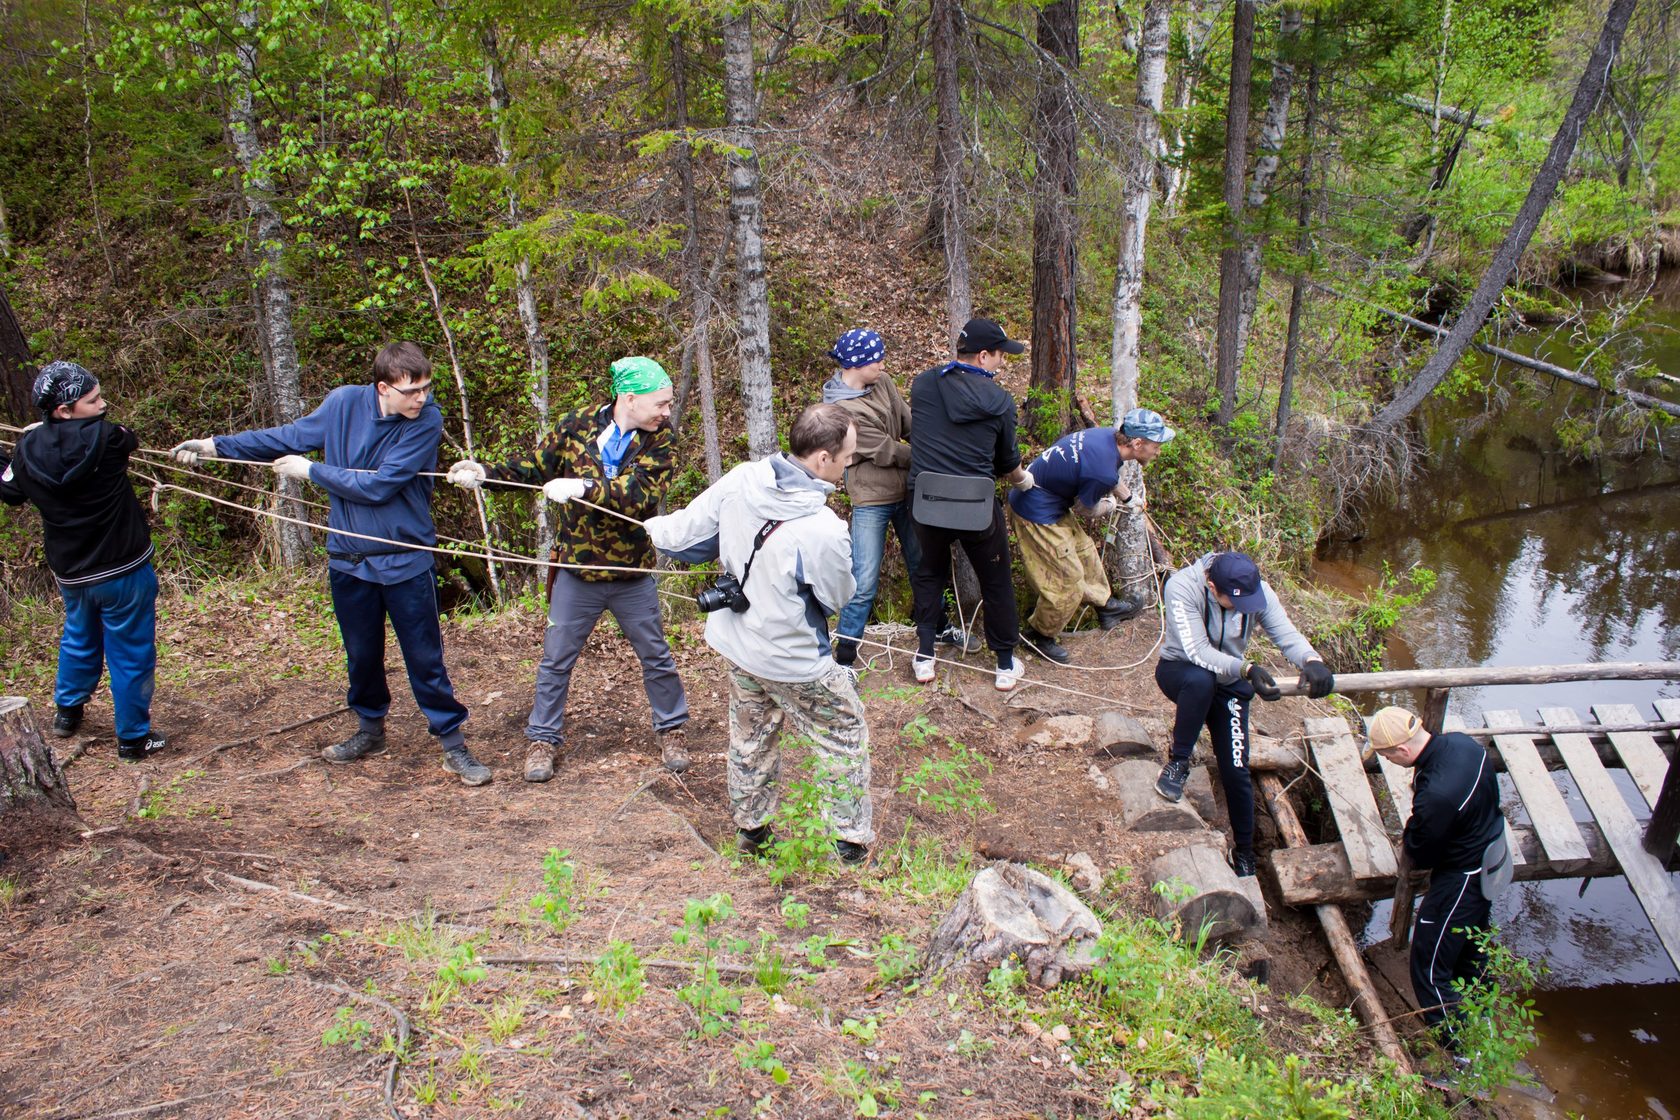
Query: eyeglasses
point(412, 391)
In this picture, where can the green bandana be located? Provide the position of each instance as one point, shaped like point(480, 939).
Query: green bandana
point(639, 375)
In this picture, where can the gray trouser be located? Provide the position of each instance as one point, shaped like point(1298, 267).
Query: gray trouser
point(573, 610)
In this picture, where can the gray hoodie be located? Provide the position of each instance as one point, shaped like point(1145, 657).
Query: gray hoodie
point(802, 574)
point(1203, 633)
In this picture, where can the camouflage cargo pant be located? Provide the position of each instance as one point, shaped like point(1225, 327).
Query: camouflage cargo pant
point(826, 712)
point(1061, 564)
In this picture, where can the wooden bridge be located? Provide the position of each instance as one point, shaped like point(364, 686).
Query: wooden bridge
point(1370, 803)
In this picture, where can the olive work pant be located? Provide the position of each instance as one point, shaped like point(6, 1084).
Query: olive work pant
point(1063, 567)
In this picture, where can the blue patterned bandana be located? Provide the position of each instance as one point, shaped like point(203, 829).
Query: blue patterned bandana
point(858, 348)
point(61, 383)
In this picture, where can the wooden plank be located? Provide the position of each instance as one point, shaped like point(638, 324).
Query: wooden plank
point(1646, 764)
point(1319, 873)
point(1559, 837)
point(1370, 852)
point(1650, 881)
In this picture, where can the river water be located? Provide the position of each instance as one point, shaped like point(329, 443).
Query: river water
point(1544, 559)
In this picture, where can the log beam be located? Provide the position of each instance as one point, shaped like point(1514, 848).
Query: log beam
point(1476, 676)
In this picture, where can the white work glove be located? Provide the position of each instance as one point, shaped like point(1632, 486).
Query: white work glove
point(1105, 506)
point(1026, 482)
point(467, 474)
point(1134, 503)
point(191, 450)
point(563, 490)
point(292, 466)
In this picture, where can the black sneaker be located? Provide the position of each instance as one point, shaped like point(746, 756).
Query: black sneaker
point(1116, 611)
point(359, 745)
point(1174, 774)
point(850, 853)
point(1242, 862)
point(66, 721)
point(459, 760)
point(959, 638)
point(133, 750)
point(1046, 647)
point(755, 841)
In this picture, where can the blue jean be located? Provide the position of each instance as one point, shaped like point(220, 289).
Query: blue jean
point(362, 608)
point(112, 623)
point(869, 543)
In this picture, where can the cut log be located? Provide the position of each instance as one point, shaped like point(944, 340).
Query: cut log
point(1198, 794)
point(1211, 897)
point(1286, 756)
point(1118, 735)
point(1142, 809)
point(1010, 910)
point(1057, 731)
point(29, 775)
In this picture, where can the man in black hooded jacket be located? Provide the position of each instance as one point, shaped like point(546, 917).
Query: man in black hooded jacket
point(74, 469)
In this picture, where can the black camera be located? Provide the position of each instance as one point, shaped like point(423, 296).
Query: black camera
point(726, 592)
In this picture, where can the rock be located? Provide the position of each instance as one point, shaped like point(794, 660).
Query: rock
point(1010, 910)
point(1057, 731)
point(1142, 809)
point(1211, 895)
point(1087, 878)
point(1120, 736)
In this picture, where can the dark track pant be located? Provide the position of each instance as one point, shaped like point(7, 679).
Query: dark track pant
point(1223, 709)
point(988, 551)
point(1442, 950)
point(362, 608)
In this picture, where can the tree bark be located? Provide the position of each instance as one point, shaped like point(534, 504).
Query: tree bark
point(5, 232)
point(1198, 28)
point(746, 209)
point(1010, 910)
point(274, 296)
point(1227, 365)
point(29, 775)
point(1055, 358)
point(1273, 129)
point(1135, 204)
point(1504, 261)
point(525, 295)
point(1218, 903)
point(1303, 250)
point(16, 366)
point(697, 352)
point(948, 222)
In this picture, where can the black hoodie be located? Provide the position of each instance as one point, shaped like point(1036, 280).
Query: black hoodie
point(961, 423)
point(76, 474)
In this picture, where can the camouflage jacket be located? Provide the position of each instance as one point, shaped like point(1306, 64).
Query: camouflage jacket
point(587, 536)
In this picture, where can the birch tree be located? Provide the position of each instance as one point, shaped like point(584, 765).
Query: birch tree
point(1540, 192)
point(746, 211)
point(1198, 29)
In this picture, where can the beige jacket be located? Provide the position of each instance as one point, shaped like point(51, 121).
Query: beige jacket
point(882, 463)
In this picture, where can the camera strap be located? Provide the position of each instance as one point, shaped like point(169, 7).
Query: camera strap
point(758, 543)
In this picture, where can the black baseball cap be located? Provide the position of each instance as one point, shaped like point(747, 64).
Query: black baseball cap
point(983, 334)
point(1238, 579)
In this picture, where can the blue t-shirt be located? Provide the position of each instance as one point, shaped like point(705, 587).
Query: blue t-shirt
point(1078, 468)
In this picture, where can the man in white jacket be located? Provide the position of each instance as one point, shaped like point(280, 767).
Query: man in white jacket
point(770, 528)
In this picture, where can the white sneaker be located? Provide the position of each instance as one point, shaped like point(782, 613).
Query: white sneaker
point(1010, 676)
point(924, 668)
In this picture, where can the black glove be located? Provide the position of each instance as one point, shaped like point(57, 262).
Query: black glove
point(1321, 682)
point(1264, 683)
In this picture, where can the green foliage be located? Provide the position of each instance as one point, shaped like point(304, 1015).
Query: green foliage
point(347, 1030)
point(895, 958)
point(951, 782)
point(925, 869)
point(770, 967)
point(760, 1056)
point(159, 803)
point(713, 1002)
point(618, 978)
point(562, 895)
point(1495, 1021)
point(1232, 1086)
point(460, 969)
point(1355, 642)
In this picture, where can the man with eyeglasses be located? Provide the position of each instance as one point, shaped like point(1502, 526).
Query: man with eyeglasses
point(374, 440)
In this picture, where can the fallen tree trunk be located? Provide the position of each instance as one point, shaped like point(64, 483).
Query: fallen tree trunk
point(1212, 900)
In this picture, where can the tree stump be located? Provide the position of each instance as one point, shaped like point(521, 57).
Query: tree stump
point(1071, 730)
point(1009, 911)
point(1211, 895)
point(29, 775)
point(1118, 735)
point(1142, 809)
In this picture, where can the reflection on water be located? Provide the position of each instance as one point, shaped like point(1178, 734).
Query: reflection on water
point(1541, 560)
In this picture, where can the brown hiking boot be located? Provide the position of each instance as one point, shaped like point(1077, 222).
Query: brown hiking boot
point(673, 749)
point(539, 761)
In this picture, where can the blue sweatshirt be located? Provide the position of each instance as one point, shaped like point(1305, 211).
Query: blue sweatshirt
point(392, 501)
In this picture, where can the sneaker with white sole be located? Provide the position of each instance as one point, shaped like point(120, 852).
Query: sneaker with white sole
point(924, 669)
point(958, 638)
point(1008, 676)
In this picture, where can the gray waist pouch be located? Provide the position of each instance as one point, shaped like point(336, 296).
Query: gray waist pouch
point(954, 501)
point(1496, 868)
